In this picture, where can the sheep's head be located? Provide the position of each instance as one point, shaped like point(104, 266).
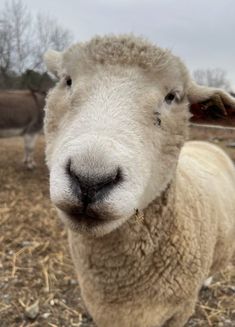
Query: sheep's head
point(115, 124)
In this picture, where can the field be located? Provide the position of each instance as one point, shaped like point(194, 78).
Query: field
point(38, 285)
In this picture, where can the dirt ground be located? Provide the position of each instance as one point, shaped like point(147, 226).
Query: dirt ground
point(38, 285)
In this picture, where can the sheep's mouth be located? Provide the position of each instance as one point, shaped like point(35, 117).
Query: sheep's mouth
point(83, 218)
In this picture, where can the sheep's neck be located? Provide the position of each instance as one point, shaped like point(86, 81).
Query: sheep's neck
point(150, 224)
point(128, 253)
point(156, 218)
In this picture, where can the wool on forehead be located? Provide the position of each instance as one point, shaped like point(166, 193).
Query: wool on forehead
point(125, 50)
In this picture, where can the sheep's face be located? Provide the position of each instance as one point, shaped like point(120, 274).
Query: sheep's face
point(114, 133)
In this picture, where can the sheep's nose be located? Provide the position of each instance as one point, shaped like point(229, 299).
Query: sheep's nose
point(91, 188)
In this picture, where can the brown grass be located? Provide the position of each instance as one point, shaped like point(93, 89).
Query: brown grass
point(35, 264)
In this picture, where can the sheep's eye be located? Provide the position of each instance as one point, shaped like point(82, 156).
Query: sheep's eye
point(169, 98)
point(68, 81)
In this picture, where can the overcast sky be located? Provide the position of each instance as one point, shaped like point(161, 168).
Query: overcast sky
point(201, 32)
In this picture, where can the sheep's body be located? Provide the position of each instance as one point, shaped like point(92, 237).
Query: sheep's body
point(211, 201)
point(114, 149)
point(146, 273)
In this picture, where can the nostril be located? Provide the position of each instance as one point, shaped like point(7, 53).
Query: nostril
point(69, 169)
point(109, 180)
point(117, 176)
point(76, 185)
point(70, 172)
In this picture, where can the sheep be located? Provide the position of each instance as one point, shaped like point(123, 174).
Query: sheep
point(149, 215)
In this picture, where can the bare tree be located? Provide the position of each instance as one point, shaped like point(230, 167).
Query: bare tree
point(21, 22)
point(6, 48)
point(212, 77)
point(24, 39)
point(48, 34)
point(15, 27)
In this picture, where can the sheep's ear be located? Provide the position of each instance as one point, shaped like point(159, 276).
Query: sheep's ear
point(211, 105)
point(53, 59)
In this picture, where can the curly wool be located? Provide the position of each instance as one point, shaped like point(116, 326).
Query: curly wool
point(124, 50)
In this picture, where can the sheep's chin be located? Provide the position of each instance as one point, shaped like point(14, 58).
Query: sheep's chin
point(91, 226)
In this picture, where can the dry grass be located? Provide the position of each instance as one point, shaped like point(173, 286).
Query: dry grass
point(35, 263)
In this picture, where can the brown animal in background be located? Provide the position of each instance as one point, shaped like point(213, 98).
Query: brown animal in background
point(21, 114)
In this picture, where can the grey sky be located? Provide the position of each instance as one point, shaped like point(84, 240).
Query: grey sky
point(201, 32)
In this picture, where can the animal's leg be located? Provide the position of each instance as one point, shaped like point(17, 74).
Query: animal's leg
point(181, 317)
point(29, 144)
